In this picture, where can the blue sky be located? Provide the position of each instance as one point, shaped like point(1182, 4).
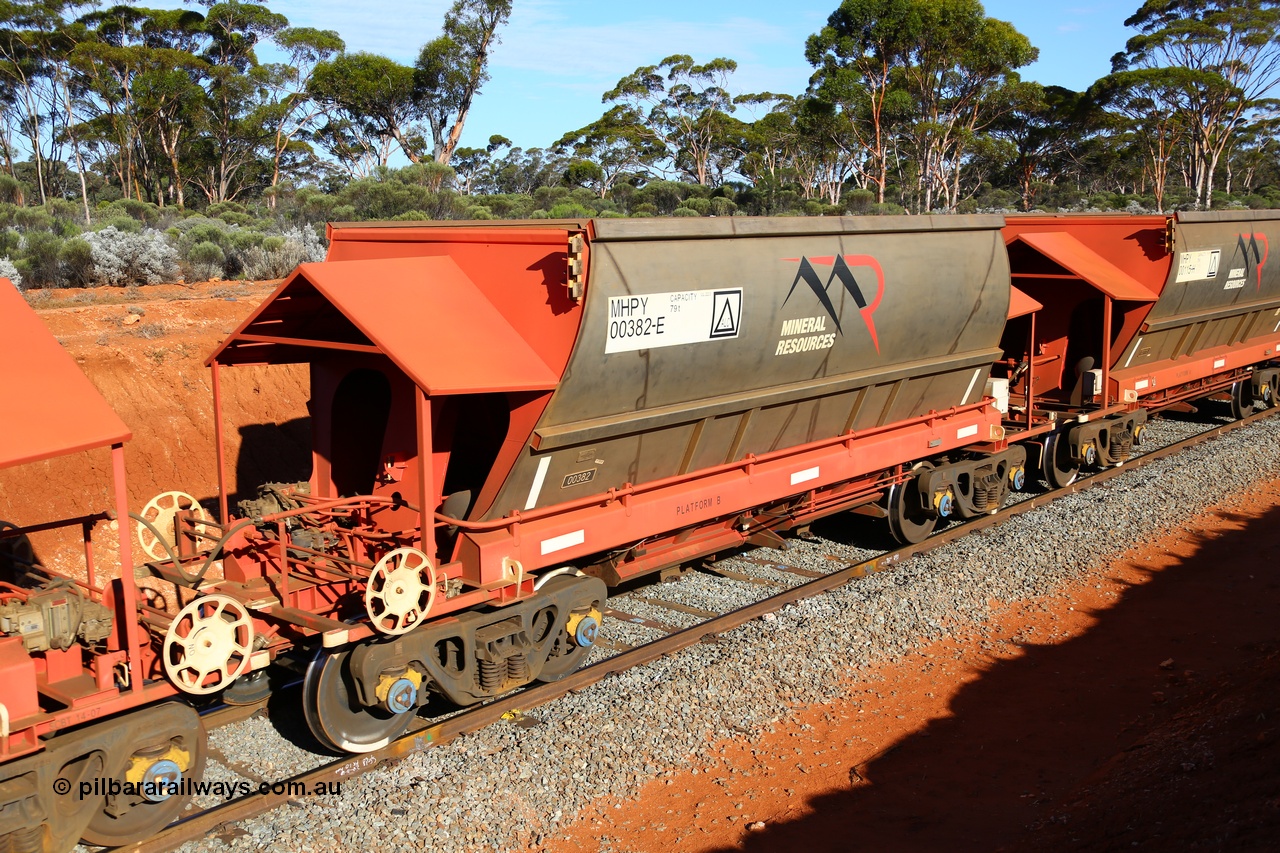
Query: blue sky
point(557, 57)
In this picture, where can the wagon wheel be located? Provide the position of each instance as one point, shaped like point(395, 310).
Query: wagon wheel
point(909, 522)
point(1056, 465)
point(1268, 396)
point(173, 758)
point(1241, 398)
point(572, 644)
point(210, 638)
point(400, 591)
point(333, 711)
point(159, 539)
point(16, 555)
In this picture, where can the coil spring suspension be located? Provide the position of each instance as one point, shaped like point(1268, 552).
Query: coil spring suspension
point(1122, 445)
point(491, 673)
point(518, 668)
point(27, 840)
point(986, 491)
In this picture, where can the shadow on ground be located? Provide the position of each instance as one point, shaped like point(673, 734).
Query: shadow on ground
point(1093, 744)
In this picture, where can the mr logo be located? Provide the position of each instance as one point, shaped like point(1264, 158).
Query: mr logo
point(1247, 248)
point(841, 271)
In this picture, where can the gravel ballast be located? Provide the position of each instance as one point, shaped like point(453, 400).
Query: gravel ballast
point(509, 786)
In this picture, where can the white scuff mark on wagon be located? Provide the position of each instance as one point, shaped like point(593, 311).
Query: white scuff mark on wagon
point(559, 543)
point(1136, 346)
point(538, 479)
point(973, 380)
point(805, 476)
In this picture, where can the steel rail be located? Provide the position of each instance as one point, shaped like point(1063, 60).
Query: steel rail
point(424, 735)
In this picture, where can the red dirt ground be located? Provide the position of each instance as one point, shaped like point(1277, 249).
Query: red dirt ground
point(1138, 710)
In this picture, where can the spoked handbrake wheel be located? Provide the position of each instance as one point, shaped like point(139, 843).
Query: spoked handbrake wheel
point(160, 513)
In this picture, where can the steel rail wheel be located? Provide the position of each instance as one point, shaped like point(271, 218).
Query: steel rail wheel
point(909, 522)
point(570, 647)
point(1241, 398)
point(334, 713)
point(1056, 465)
point(165, 770)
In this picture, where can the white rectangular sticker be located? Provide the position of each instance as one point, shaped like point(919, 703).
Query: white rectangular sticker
point(804, 476)
point(559, 543)
point(1219, 362)
point(1195, 266)
point(1141, 385)
point(967, 431)
point(653, 320)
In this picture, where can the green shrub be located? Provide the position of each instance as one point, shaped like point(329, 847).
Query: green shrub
point(39, 264)
point(721, 206)
point(11, 189)
point(685, 211)
point(33, 219)
point(701, 206)
point(568, 210)
point(120, 223)
point(142, 211)
point(205, 260)
point(230, 212)
point(76, 257)
point(858, 201)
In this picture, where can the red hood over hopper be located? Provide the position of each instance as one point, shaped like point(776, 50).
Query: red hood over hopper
point(423, 313)
point(48, 407)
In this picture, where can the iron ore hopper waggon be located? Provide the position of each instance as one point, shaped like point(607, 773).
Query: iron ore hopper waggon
point(510, 418)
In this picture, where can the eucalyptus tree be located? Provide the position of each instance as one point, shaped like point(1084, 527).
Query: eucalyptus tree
point(683, 105)
point(1043, 126)
point(232, 134)
point(140, 75)
point(28, 47)
point(451, 69)
point(287, 110)
point(924, 77)
point(373, 97)
point(962, 80)
point(617, 146)
point(859, 56)
point(1213, 62)
point(1146, 102)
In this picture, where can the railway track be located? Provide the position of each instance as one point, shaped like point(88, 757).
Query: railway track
point(426, 734)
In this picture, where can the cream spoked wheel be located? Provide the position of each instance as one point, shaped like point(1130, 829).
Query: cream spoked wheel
point(208, 645)
point(400, 591)
point(160, 513)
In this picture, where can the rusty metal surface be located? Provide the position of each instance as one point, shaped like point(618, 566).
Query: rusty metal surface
point(48, 407)
point(744, 335)
point(425, 314)
point(427, 736)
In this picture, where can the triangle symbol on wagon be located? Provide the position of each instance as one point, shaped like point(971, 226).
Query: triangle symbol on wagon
point(725, 323)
